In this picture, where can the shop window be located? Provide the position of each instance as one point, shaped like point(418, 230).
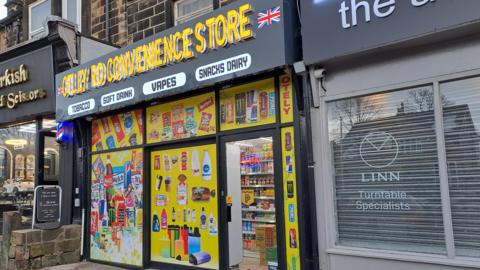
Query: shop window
point(185, 10)
point(17, 170)
point(38, 11)
point(248, 105)
point(461, 121)
point(71, 11)
point(182, 119)
point(116, 221)
point(118, 131)
point(385, 168)
point(184, 207)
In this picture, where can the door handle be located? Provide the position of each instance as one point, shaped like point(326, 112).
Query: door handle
point(229, 213)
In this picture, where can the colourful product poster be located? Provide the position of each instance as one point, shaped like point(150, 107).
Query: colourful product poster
point(286, 98)
point(290, 196)
point(248, 105)
point(186, 118)
point(116, 221)
point(116, 131)
point(184, 210)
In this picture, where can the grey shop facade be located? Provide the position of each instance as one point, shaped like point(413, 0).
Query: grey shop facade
point(190, 145)
point(395, 127)
point(29, 153)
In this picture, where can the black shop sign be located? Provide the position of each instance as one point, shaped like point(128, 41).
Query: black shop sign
point(47, 210)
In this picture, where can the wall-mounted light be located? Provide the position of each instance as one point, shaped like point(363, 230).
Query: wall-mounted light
point(16, 142)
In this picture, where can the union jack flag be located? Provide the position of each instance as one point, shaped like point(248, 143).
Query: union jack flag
point(269, 16)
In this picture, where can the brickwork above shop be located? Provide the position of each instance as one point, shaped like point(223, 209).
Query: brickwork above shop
point(145, 18)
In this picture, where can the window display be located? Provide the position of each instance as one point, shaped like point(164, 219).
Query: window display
point(385, 168)
point(248, 105)
point(117, 131)
point(116, 218)
point(182, 119)
point(184, 211)
point(17, 165)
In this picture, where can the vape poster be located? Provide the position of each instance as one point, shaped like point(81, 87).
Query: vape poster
point(182, 119)
point(248, 105)
point(290, 196)
point(116, 221)
point(286, 98)
point(184, 210)
point(116, 131)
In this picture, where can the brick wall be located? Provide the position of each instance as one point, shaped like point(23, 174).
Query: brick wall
point(129, 21)
point(145, 18)
point(117, 26)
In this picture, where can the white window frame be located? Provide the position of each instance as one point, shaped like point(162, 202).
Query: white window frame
point(41, 29)
point(199, 12)
point(324, 175)
point(79, 13)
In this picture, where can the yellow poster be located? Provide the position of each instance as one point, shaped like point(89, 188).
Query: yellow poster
point(286, 98)
point(248, 196)
point(182, 119)
point(184, 210)
point(290, 196)
point(248, 105)
point(116, 221)
point(116, 131)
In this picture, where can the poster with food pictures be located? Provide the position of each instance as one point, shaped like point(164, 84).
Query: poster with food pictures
point(248, 105)
point(116, 221)
point(184, 210)
point(290, 200)
point(116, 131)
point(182, 119)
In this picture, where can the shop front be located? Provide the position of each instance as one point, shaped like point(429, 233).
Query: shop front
point(193, 144)
point(395, 117)
point(27, 130)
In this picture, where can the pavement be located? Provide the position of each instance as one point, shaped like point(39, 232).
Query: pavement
point(82, 266)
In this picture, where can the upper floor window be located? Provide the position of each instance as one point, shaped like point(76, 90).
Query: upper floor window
point(185, 10)
point(71, 10)
point(38, 11)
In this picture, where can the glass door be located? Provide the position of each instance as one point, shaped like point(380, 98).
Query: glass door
point(252, 229)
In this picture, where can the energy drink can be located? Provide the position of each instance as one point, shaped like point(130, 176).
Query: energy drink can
point(288, 141)
point(230, 112)
point(291, 213)
point(293, 238)
point(223, 114)
point(271, 103)
point(240, 108)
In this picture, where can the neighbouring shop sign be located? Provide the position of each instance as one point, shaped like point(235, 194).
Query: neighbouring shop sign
point(333, 28)
point(47, 207)
point(26, 85)
point(235, 40)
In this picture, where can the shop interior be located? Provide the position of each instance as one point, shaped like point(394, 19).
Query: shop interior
point(250, 176)
point(17, 167)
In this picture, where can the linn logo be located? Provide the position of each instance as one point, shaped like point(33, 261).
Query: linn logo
point(379, 149)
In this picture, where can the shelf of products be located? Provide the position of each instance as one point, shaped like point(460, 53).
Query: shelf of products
point(258, 195)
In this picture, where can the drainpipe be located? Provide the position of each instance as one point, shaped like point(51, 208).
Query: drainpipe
point(107, 20)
